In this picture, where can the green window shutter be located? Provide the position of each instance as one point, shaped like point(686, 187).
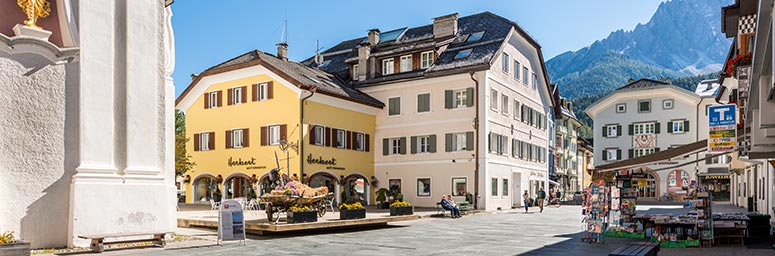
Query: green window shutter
point(605, 155)
point(686, 126)
point(432, 144)
point(402, 149)
point(619, 130)
point(469, 96)
point(470, 141)
point(448, 99)
point(414, 145)
point(670, 127)
point(385, 147)
point(631, 153)
point(630, 129)
point(605, 131)
point(448, 142)
point(618, 154)
point(656, 128)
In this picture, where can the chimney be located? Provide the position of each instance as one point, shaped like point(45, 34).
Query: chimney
point(570, 106)
point(282, 51)
point(668, 80)
point(364, 50)
point(373, 36)
point(445, 25)
point(630, 80)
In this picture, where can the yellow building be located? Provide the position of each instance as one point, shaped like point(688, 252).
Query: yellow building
point(257, 112)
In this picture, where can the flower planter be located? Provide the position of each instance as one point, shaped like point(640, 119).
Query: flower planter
point(400, 211)
point(352, 214)
point(383, 205)
point(302, 217)
point(16, 249)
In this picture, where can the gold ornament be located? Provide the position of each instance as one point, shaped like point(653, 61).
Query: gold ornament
point(34, 9)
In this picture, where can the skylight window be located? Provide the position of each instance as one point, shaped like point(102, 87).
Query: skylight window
point(325, 63)
point(463, 54)
point(391, 35)
point(475, 36)
point(460, 39)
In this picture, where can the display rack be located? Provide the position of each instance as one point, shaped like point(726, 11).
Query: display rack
point(596, 209)
point(703, 205)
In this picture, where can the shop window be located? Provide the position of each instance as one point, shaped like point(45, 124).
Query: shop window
point(424, 187)
point(459, 186)
point(204, 188)
point(650, 188)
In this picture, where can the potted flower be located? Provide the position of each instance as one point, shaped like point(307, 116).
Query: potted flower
point(302, 214)
point(12, 247)
point(351, 210)
point(739, 62)
point(400, 208)
point(382, 194)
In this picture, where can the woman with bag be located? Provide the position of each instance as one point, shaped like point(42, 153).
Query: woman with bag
point(526, 199)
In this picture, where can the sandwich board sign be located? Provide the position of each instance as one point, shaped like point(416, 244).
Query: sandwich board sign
point(231, 222)
point(722, 128)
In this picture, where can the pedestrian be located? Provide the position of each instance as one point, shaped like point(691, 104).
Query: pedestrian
point(526, 199)
point(541, 196)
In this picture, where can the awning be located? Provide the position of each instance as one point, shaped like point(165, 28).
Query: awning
point(656, 157)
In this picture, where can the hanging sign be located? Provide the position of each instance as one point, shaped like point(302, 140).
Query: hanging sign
point(642, 183)
point(231, 221)
point(722, 128)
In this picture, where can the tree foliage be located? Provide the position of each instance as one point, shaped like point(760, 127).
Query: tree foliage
point(183, 162)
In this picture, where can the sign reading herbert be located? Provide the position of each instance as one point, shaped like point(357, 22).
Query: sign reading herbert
point(722, 128)
point(231, 222)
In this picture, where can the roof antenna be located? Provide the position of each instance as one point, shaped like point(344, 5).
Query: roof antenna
point(318, 56)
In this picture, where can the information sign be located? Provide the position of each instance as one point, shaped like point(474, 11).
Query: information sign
point(231, 221)
point(722, 128)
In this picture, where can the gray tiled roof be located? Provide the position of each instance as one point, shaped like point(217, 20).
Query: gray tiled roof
point(495, 28)
point(644, 84)
point(325, 82)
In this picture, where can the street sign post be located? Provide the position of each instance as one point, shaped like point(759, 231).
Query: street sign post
point(231, 222)
point(722, 128)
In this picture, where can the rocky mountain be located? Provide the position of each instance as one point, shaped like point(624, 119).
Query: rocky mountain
point(683, 38)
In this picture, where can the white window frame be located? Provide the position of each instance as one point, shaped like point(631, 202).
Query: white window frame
point(465, 181)
point(517, 66)
point(505, 62)
point(516, 110)
point(423, 144)
point(388, 66)
point(430, 186)
point(236, 95)
point(395, 146)
point(493, 99)
point(320, 135)
point(505, 104)
point(263, 91)
point(213, 99)
point(360, 140)
point(495, 191)
point(426, 59)
point(535, 82)
point(356, 73)
point(611, 152)
point(643, 128)
point(236, 138)
point(399, 106)
point(204, 141)
point(405, 63)
point(274, 135)
point(611, 131)
point(668, 104)
point(525, 74)
point(678, 124)
point(459, 142)
point(621, 108)
point(461, 98)
point(341, 138)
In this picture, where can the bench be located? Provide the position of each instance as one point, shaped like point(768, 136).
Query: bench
point(637, 249)
point(465, 208)
point(98, 241)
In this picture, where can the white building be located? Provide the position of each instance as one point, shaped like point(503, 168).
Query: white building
point(87, 117)
point(466, 105)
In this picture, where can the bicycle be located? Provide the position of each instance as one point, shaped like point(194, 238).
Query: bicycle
point(554, 202)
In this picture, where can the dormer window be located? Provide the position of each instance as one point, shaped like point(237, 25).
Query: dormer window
point(406, 63)
point(426, 59)
point(388, 66)
point(475, 36)
point(463, 54)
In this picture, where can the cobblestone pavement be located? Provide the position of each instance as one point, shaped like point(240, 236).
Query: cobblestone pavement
point(553, 232)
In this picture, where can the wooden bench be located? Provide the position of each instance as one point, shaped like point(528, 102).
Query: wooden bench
point(637, 249)
point(98, 241)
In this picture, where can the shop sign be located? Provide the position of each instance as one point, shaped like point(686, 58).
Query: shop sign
point(231, 221)
point(320, 160)
point(240, 162)
point(642, 183)
point(722, 128)
point(717, 177)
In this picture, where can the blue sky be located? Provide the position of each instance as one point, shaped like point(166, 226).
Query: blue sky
point(210, 32)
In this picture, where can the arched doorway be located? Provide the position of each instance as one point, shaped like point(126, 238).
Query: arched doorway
point(265, 185)
point(236, 186)
point(203, 189)
point(324, 179)
point(650, 188)
point(356, 187)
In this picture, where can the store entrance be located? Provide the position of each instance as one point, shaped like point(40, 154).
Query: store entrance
point(236, 186)
point(717, 185)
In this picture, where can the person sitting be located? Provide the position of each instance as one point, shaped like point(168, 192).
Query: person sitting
point(445, 204)
point(453, 204)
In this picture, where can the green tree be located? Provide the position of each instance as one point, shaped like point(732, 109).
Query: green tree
point(183, 162)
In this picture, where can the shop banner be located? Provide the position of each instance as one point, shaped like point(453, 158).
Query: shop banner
point(231, 221)
point(722, 128)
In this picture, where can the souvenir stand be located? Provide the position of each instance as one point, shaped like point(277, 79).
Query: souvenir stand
point(622, 222)
point(702, 204)
point(596, 211)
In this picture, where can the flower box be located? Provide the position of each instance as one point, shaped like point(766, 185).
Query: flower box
point(15, 249)
point(401, 210)
point(302, 217)
point(345, 214)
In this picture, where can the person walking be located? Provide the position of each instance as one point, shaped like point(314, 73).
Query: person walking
point(526, 200)
point(541, 196)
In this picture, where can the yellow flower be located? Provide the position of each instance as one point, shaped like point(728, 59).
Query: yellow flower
point(400, 204)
